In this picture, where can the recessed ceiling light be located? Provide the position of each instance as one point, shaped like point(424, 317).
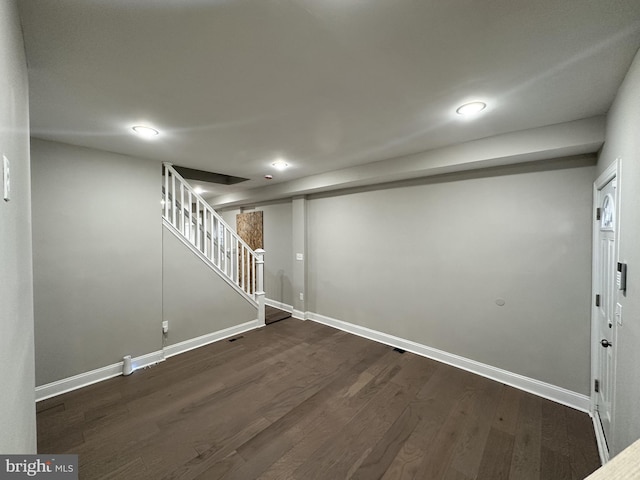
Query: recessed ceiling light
point(471, 108)
point(144, 131)
point(198, 190)
point(280, 164)
point(269, 177)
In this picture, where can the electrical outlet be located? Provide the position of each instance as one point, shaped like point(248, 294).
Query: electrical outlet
point(165, 326)
point(299, 256)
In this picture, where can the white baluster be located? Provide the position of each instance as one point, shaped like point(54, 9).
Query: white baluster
point(182, 222)
point(242, 273)
point(197, 224)
point(230, 252)
point(236, 262)
point(218, 240)
point(205, 237)
point(166, 191)
point(259, 292)
point(253, 274)
point(190, 216)
point(212, 230)
point(174, 200)
point(224, 249)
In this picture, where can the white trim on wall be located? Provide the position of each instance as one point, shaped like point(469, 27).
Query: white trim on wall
point(203, 340)
point(542, 389)
point(104, 373)
point(601, 441)
point(300, 315)
point(280, 305)
point(94, 376)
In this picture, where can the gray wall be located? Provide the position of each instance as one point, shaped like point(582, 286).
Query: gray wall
point(106, 272)
point(17, 402)
point(195, 299)
point(97, 241)
point(299, 246)
point(623, 141)
point(279, 256)
point(427, 262)
point(277, 221)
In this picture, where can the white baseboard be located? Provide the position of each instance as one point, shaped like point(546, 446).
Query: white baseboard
point(94, 376)
point(557, 394)
point(104, 373)
point(147, 360)
point(300, 315)
point(203, 340)
point(603, 451)
point(542, 389)
point(277, 304)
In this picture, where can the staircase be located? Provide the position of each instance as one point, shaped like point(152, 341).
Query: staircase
point(190, 218)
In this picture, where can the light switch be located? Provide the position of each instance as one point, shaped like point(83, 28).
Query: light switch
point(6, 178)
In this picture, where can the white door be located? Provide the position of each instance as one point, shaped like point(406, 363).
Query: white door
point(605, 302)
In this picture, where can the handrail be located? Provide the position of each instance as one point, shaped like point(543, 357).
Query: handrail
point(205, 230)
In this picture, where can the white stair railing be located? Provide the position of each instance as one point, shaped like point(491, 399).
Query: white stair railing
point(198, 225)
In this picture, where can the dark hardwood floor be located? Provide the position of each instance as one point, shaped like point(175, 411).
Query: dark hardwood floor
point(299, 400)
point(273, 315)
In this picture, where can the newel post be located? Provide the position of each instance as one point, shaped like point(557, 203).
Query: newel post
point(260, 285)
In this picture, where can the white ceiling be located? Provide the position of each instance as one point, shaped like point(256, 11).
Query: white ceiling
point(326, 84)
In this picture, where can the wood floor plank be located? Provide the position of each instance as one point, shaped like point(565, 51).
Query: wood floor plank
point(554, 465)
point(96, 458)
point(306, 415)
point(210, 454)
point(454, 474)
point(342, 454)
point(506, 415)
point(49, 406)
point(467, 456)
point(496, 461)
point(300, 400)
point(335, 405)
point(583, 449)
point(414, 373)
point(554, 428)
point(219, 469)
point(527, 446)
point(440, 454)
point(130, 470)
point(324, 415)
point(380, 457)
point(437, 399)
point(272, 315)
